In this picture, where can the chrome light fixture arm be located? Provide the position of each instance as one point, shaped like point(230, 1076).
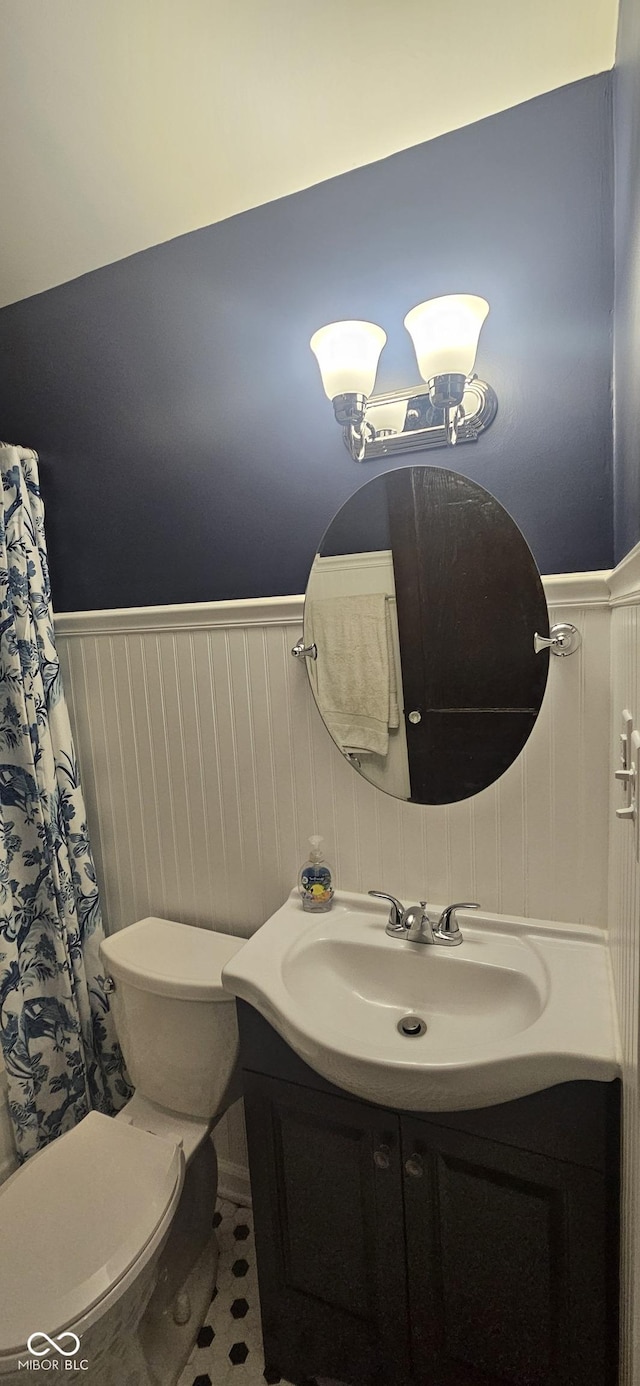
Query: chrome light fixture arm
point(349, 410)
point(426, 425)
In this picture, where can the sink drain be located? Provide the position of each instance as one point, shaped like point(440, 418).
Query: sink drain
point(412, 1026)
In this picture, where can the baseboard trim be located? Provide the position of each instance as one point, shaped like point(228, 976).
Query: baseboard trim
point(233, 1183)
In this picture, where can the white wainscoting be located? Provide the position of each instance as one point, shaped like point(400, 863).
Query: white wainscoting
point(624, 936)
point(230, 1140)
point(206, 767)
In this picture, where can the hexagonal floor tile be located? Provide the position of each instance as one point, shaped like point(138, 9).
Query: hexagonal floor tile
point(218, 1358)
point(238, 1353)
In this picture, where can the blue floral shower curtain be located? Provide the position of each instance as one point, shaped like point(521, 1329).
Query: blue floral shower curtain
point(58, 1040)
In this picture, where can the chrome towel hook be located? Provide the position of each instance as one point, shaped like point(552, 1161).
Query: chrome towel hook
point(563, 640)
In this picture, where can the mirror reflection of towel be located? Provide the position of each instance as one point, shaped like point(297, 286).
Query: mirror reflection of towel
point(354, 676)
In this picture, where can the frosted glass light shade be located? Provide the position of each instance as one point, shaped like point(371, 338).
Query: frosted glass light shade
point(348, 354)
point(445, 333)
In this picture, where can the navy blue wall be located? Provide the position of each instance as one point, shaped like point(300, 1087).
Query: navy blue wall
point(627, 298)
point(188, 451)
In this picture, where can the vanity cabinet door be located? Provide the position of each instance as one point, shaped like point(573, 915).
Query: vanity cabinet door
point(507, 1262)
point(327, 1197)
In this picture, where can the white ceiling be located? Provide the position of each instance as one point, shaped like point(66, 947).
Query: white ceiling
point(127, 122)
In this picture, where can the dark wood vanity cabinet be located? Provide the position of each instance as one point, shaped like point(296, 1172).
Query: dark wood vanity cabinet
point(455, 1249)
point(506, 1259)
point(328, 1220)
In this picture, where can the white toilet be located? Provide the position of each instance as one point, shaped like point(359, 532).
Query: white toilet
point(107, 1233)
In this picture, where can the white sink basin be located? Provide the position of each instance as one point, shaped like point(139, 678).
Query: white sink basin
point(359, 989)
point(520, 1005)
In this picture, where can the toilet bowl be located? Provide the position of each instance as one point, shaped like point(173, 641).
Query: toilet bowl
point(109, 1256)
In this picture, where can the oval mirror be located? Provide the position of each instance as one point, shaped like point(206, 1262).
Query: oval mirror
point(422, 603)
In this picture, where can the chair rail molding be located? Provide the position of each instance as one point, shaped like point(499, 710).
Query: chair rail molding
point(251, 611)
point(563, 590)
point(624, 581)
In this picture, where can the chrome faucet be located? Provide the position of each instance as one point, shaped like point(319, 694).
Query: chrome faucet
point(413, 924)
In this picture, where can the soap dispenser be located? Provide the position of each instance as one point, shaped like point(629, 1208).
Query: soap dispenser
point(314, 882)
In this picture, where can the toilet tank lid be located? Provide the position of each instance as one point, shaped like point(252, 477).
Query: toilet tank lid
point(171, 959)
point(75, 1218)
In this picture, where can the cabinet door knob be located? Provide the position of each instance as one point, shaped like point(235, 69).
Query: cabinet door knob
point(414, 1166)
point(382, 1157)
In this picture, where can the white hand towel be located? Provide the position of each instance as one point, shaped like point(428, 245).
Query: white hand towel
point(354, 675)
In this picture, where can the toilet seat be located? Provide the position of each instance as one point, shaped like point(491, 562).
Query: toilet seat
point(100, 1200)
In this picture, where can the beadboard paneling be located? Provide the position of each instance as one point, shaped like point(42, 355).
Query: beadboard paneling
point(230, 1140)
point(206, 767)
point(624, 938)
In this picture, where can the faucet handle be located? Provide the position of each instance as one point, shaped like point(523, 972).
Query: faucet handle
point(447, 929)
point(395, 923)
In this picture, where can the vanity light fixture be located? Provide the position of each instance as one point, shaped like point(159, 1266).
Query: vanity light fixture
point(451, 406)
point(348, 354)
point(445, 334)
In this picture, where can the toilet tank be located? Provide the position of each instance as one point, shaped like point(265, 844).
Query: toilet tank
point(176, 1025)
